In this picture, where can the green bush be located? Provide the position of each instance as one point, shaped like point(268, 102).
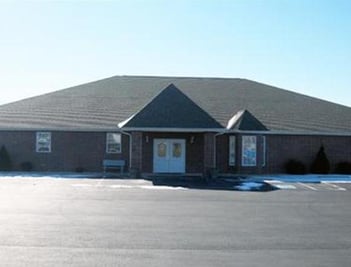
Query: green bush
point(293, 166)
point(321, 163)
point(5, 160)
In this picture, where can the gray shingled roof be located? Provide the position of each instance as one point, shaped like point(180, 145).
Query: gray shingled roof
point(171, 108)
point(101, 105)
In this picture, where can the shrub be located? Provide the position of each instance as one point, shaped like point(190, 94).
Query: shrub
point(5, 160)
point(343, 168)
point(295, 167)
point(321, 163)
point(26, 166)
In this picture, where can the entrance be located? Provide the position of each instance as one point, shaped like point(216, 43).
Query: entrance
point(169, 156)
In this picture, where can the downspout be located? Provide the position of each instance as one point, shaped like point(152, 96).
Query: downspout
point(130, 147)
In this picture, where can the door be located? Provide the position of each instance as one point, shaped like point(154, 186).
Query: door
point(169, 155)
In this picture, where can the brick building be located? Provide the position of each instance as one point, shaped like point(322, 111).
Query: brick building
point(174, 125)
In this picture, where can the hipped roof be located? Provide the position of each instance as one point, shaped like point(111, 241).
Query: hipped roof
point(101, 105)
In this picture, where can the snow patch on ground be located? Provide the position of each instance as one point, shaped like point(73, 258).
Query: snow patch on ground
point(308, 178)
point(49, 175)
point(81, 185)
point(162, 187)
point(284, 186)
point(152, 187)
point(121, 186)
point(336, 182)
point(249, 186)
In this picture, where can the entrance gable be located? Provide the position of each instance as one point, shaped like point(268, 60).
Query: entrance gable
point(171, 108)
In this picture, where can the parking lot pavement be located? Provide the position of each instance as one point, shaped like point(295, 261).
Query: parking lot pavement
point(92, 222)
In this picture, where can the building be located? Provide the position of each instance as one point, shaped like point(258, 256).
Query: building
point(174, 125)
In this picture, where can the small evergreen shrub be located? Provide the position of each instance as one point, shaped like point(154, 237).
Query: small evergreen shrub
point(26, 166)
point(293, 166)
point(5, 160)
point(343, 168)
point(321, 163)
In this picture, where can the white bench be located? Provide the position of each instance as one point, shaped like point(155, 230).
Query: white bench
point(113, 164)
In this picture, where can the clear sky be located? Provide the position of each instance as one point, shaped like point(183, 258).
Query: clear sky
point(299, 45)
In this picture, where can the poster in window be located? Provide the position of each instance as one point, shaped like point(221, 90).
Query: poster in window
point(249, 151)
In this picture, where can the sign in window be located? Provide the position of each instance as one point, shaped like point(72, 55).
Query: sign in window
point(249, 150)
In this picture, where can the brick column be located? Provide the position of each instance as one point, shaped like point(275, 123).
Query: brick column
point(209, 153)
point(137, 143)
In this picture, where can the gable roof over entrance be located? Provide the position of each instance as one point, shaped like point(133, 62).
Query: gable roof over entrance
point(171, 108)
point(102, 105)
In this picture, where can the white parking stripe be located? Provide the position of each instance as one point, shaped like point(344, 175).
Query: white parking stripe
point(335, 187)
point(307, 186)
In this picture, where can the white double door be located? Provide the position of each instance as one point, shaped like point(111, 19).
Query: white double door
point(169, 156)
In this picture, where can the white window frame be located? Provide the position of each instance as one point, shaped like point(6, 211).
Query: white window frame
point(110, 141)
point(232, 152)
point(42, 145)
point(249, 145)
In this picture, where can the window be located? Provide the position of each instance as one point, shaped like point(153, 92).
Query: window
point(162, 150)
point(113, 143)
point(232, 150)
point(43, 142)
point(177, 150)
point(248, 151)
point(263, 151)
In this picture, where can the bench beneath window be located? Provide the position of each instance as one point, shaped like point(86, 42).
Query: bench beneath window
point(113, 164)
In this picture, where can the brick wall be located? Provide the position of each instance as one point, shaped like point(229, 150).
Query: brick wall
point(137, 145)
point(70, 150)
point(281, 148)
point(222, 155)
point(209, 155)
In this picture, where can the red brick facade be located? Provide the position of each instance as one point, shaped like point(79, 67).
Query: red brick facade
point(86, 150)
point(70, 150)
point(280, 149)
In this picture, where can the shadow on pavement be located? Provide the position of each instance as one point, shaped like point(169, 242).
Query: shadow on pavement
point(213, 184)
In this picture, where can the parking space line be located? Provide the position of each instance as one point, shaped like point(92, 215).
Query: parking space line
point(307, 186)
point(335, 187)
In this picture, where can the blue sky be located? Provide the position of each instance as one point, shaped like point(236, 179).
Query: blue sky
point(299, 45)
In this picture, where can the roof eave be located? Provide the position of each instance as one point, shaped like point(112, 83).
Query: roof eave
point(176, 130)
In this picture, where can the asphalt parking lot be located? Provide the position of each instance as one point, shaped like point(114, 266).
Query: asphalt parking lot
point(96, 222)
